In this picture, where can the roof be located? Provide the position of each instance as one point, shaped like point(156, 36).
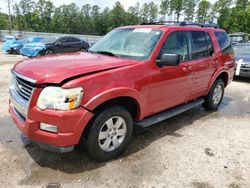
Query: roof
point(166, 27)
point(173, 24)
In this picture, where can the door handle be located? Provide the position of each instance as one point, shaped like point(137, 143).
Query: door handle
point(186, 67)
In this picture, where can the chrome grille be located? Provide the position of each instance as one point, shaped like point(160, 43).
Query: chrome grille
point(22, 87)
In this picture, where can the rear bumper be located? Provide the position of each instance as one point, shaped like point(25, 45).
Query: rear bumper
point(70, 124)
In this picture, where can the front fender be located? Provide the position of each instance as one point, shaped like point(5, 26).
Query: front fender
point(112, 94)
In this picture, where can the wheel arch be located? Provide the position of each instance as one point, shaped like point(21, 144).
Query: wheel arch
point(130, 103)
point(222, 75)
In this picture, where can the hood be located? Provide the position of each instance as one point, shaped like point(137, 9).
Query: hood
point(57, 68)
point(245, 57)
point(34, 45)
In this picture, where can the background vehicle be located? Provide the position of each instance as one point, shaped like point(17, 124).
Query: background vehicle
point(8, 41)
point(54, 45)
point(242, 54)
point(134, 75)
point(18, 44)
point(238, 37)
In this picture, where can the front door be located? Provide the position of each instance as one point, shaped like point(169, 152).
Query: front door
point(171, 85)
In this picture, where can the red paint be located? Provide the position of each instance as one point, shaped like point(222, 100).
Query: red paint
point(153, 88)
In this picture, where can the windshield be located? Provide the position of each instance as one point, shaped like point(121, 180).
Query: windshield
point(49, 40)
point(242, 49)
point(128, 43)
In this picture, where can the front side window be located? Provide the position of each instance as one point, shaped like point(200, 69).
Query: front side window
point(224, 42)
point(199, 45)
point(49, 40)
point(176, 43)
point(131, 43)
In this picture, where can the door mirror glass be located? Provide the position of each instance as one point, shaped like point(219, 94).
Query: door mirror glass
point(59, 43)
point(169, 60)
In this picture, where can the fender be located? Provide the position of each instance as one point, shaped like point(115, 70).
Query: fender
point(115, 93)
point(214, 77)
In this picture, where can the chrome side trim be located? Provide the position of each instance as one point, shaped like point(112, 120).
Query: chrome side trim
point(24, 77)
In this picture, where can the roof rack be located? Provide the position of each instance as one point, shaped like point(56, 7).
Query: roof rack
point(182, 23)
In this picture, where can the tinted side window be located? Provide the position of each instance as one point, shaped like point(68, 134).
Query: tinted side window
point(209, 44)
point(224, 42)
point(199, 45)
point(73, 39)
point(176, 43)
point(70, 39)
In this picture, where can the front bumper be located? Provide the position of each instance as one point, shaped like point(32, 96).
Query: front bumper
point(71, 124)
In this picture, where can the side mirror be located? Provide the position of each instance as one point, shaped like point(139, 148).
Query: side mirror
point(59, 43)
point(169, 60)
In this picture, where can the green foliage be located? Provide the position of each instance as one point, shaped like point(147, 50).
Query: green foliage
point(189, 12)
point(3, 21)
point(43, 16)
point(203, 12)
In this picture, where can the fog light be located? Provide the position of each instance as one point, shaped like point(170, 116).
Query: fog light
point(48, 127)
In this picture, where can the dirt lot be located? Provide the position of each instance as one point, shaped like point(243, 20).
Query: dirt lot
point(196, 149)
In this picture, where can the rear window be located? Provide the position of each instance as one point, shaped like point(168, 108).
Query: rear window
point(224, 42)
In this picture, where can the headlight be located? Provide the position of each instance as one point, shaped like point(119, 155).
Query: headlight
point(59, 99)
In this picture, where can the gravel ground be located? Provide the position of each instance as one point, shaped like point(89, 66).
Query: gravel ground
point(197, 149)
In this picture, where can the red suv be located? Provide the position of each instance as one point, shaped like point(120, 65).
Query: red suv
point(135, 75)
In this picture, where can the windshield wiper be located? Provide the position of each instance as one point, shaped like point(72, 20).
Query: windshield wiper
point(106, 53)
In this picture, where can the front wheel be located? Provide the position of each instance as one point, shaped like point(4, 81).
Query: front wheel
point(82, 50)
point(48, 52)
point(215, 96)
point(110, 132)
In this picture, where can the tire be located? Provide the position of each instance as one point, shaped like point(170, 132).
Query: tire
point(103, 142)
point(82, 50)
point(48, 52)
point(215, 95)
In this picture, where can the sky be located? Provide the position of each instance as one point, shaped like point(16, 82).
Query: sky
point(100, 3)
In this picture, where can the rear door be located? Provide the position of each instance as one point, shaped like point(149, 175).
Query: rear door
point(204, 62)
point(75, 44)
point(66, 45)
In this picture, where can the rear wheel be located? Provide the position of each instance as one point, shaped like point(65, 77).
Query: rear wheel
point(215, 96)
point(110, 132)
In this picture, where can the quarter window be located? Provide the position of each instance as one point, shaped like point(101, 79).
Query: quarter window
point(224, 42)
point(176, 43)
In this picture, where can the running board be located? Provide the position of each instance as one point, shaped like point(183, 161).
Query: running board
point(168, 113)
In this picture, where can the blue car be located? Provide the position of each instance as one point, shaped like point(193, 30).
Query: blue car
point(16, 47)
point(9, 41)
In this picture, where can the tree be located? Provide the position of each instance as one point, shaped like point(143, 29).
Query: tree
point(189, 12)
point(134, 14)
point(117, 16)
point(203, 11)
point(164, 7)
point(176, 7)
point(149, 12)
point(45, 9)
point(3, 21)
point(26, 7)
